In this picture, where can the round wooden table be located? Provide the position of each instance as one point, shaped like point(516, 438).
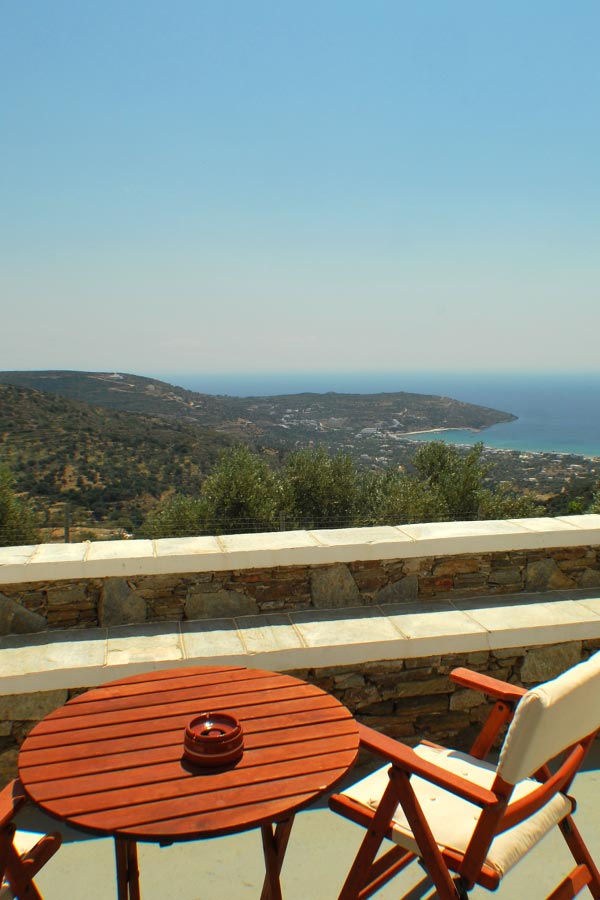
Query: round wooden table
point(111, 761)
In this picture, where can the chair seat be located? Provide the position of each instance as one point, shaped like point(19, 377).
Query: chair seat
point(452, 819)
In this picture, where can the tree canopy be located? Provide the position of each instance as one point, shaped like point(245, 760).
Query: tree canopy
point(315, 490)
point(320, 491)
point(17, 519)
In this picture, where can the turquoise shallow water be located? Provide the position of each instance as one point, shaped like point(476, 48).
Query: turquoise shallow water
point(555, 412)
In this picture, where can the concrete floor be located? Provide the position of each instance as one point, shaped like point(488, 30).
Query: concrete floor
point(319, 854)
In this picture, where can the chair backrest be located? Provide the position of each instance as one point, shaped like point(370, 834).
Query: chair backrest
point(550, 718)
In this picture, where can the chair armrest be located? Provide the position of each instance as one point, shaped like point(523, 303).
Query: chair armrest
point(493, 687)
point(12, 798)
point(403, 757)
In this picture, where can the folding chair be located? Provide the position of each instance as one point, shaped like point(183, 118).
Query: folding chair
point(467, 821)
point(22, 854)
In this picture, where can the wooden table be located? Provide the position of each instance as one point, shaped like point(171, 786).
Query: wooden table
point(110, 761)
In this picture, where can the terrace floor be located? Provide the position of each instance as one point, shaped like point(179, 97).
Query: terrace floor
point(319, 854)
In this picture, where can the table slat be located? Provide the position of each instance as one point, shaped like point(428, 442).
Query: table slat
point(193, 705)
point(111, 760)
point(257, 733)
point(236, 684)
point(234, 809)
point(97, 776)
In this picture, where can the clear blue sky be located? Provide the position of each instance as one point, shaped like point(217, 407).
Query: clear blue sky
point(258, 186)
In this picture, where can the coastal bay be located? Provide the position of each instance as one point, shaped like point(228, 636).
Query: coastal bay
point(555, 412)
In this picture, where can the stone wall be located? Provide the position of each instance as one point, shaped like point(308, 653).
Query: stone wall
point(407, 699)
point(415, 699)
point(35, 606)
point(76, 586)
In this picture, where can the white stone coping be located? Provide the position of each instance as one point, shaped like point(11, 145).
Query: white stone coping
point(104, 559)
point(298, 640)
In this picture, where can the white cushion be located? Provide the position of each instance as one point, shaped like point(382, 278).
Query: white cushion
point(452, 820)
point(24, 841)
point(550, 718)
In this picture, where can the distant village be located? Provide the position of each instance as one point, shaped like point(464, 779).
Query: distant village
point(388, 443)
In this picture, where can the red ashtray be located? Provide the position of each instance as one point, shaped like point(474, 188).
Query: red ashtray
point(213, 739)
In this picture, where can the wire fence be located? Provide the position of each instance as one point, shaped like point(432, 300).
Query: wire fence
point(73, 532)
point(72, 504)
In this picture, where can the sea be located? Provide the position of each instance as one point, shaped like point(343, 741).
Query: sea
point(556, 412)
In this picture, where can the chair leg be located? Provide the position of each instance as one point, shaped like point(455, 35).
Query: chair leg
point(460, 889)
point(447, 887)
point(359, 877)
point(361, 883)
point(18, 877)
point(581, 854)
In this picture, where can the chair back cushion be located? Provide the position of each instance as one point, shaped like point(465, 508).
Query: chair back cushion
point(550, 718)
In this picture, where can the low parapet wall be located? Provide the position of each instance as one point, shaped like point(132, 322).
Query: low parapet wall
point(377, 616)
point(125, 582)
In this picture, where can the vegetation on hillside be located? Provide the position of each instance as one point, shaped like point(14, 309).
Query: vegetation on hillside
point(313, 490)
point(18, 524)
point(103, 463)
point(102, 471)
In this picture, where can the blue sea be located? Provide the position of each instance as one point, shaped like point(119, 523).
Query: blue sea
point(556, 412)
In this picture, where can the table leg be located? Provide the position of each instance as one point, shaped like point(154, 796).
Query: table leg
point(128, 876)
point(274, 847)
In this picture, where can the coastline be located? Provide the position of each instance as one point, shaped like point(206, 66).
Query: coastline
point(445, 428)
point(434, 431)
point(555, 412)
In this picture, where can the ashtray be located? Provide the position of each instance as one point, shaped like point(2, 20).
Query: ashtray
point(213, 739)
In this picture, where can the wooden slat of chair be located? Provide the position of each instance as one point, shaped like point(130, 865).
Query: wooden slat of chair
point(572, 885)
point(18, 870)
point(506, 696)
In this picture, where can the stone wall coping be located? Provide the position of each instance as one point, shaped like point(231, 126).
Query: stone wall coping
point(297, 640)
point(105, 559)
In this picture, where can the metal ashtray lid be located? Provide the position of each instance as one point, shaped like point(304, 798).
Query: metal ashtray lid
point(213, 739)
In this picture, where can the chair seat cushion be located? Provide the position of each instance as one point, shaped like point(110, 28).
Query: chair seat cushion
point(452, 820)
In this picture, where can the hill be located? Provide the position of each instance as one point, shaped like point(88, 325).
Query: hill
point(301, 416)
point(104, 461)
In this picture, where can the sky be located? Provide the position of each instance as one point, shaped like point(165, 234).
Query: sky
point(269, 186)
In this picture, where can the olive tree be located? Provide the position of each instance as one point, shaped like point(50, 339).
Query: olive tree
point(320, 491)
point(17, 519)
point(242, 493)
point(178, 516)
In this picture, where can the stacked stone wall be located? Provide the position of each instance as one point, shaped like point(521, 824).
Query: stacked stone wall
point(411, 700)
point(414, 699)
point(150, 598)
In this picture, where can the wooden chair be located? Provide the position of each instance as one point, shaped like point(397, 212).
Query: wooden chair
point(22, 854)
point(467, 821)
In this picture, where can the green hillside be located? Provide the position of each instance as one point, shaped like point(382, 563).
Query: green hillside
point(106, 462)
point(302, 416)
